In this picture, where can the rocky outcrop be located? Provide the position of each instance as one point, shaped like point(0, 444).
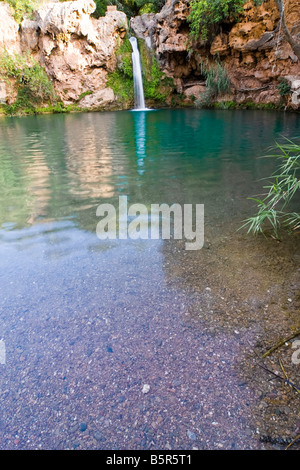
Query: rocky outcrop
point(295, 90)
point(77, 51)
point(9, 31)
point(255, 51)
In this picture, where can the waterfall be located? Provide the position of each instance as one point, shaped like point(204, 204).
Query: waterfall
point(139, 100)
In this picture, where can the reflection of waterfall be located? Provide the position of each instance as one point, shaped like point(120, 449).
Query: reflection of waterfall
point(139, 100)
point(140, 140)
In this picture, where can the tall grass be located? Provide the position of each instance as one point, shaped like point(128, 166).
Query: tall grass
point(273, 210)
point(217, 83)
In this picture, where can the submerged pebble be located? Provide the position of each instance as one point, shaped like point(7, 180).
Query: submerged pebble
point(146, 388)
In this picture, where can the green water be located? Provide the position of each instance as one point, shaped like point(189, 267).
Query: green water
point(61, 167)
point(87, 323)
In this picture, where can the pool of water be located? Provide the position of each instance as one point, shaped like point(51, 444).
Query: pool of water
point(120, 344)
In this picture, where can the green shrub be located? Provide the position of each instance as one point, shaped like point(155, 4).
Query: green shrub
point(283, 87)
point(217, 80)
point(84, 93)
point(225, 105)
point(157, 86)
point(217, 83)
point(122, 86)
point(129, 7)
point(281, 191)
point(121, 80)
point(206, 15)
point(148, 8)
point(124, 60)
point(23, 8)
point(153, 81)
point(33, 85)
point(100, 8)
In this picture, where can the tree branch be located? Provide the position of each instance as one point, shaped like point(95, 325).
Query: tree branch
point(295, 45)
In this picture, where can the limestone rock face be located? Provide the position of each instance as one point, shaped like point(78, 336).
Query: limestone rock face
point(9, 30)
point(294, 83)
point(3, 93)
point(103, 97)
point(65, 18)
point(254, 51)
point(76, 50)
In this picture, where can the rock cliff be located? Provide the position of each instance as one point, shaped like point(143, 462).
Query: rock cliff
point(255, 51)
point(9, 31)
point(77, 51)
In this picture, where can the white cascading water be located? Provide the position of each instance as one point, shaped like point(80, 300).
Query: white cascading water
point(139, 100)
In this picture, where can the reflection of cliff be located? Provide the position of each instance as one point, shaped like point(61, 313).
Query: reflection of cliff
point(62, 166)
point(89, 158)
point(38, 187)
point(25, 177)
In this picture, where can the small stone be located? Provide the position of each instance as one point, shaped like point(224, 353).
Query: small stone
point(82, 427)
point(191, 435)
point(73, 428)
point(99, 436)
point(176, 383)
point(146, 388)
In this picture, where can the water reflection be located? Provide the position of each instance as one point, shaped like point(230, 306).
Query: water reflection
point(88, 322)
point(89, 158)
point(62, 167)
point(38, 189)
point(140, 139)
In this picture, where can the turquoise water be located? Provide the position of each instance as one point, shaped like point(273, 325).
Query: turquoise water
point(61, 167)
point(87, 323)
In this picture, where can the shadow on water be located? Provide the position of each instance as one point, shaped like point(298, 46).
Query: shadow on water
point(87, 323)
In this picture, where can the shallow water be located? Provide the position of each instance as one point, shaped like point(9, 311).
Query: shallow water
point(87, 323)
